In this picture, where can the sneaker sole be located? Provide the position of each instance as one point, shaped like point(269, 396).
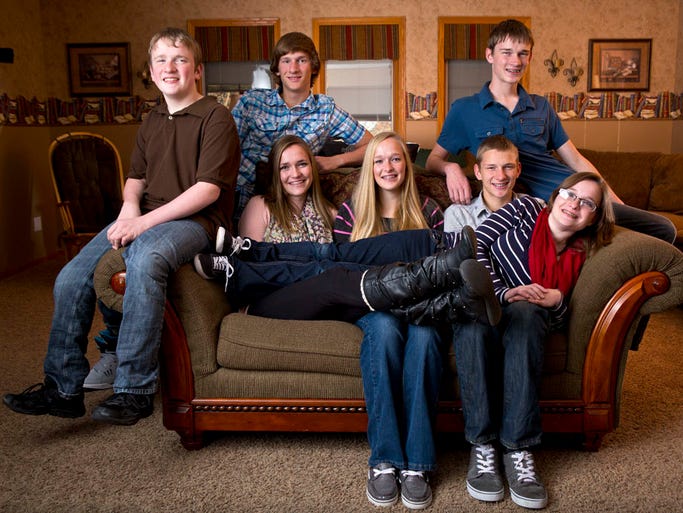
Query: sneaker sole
point(478, 280)
point(220, 239)
point(198, 268)
point(89, 387)
point(411, 504)
point(525, 502)
point(381, 503)
point(485, 496)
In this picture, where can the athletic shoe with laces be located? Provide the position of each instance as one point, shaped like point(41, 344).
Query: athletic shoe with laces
point(526, 489)
point(381, 488)
point(484, 481)
point(213, 267)
point(234, 244)
point(415, 490)
point(44, 399)
point(124, 409)
point(102, 374)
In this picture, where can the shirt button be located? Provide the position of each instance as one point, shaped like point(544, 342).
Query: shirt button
point(170, 117)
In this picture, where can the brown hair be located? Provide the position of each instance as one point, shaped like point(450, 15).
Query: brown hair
point(177, 37)
point(294, 42)
point(600, 232)
point(513, 29)
point(276, 197)
point(496, 142)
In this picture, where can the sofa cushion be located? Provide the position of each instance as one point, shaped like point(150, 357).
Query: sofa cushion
point(667, 184)
point(629, 174)
point(248, 342)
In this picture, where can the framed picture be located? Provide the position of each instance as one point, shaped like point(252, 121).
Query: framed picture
point(98, 69)
point(619, 64)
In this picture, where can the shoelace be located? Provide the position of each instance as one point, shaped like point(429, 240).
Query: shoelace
point(524, 465)
point(486, 459)
point(412, 473)
point(222, 263)
point(240, 244)
point(378, 472)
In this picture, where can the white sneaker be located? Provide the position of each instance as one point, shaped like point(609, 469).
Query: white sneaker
point(102, 374)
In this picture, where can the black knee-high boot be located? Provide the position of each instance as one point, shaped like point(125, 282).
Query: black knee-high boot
point(473, 300)
point(402, 284)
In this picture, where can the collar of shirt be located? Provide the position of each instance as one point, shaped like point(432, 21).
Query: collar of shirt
point(525, 100)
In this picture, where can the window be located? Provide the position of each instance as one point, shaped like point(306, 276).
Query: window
point(363, 68)
point(364, 89)
point(233, 50)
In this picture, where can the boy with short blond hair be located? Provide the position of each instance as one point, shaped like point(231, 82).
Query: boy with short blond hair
point(179, 189)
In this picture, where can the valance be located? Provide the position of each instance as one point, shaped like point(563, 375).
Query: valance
point(358, 42)
point(236, 43)
point(466, 41)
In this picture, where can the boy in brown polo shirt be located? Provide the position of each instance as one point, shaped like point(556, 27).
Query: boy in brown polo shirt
point(180, 188)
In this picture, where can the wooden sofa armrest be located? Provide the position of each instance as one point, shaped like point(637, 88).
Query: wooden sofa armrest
point(607, 345)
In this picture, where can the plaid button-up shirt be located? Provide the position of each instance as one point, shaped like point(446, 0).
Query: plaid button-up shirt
point(262, 117)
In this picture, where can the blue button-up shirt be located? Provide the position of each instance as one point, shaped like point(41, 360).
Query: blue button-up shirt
point(533, 126)
point(262, 117)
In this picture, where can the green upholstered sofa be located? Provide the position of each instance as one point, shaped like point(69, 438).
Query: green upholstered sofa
point(226, 371)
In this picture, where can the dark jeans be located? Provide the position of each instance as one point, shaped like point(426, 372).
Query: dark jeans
point(499, 371)
point(645, 222)
point(267, 267)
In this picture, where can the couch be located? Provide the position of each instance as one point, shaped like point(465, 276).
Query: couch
point(225, 371)
point(646, 180)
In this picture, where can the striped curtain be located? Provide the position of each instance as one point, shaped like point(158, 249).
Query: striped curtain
point(466, 41)
point(358, 42)
point(236, 43)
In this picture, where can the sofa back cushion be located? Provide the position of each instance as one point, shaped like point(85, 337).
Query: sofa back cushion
point(629, 174)
point(667, 184)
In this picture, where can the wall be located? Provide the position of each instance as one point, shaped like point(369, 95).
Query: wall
point(39, 29)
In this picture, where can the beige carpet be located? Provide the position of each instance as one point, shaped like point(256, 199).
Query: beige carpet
point(72, 466)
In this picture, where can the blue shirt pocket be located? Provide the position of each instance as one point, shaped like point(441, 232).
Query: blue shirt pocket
point(532, 126)
point(483, 133)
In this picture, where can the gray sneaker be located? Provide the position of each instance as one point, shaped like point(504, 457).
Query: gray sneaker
point(381, 488)
point(526, 489)
point(102, 374)
point(484, 482)
point(415, 490)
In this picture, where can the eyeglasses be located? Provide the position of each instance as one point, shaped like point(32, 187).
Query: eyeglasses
point(586, 203)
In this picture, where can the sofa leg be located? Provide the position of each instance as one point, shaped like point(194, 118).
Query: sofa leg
point(592, 441)
point(191, 440)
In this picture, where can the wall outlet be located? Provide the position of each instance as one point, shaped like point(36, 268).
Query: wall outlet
point(37, 224)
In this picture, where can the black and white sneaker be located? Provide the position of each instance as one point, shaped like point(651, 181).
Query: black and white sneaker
point(526, 489)
point(226, 244)
point(381, 488)
point(214, 267)
point(484, 482)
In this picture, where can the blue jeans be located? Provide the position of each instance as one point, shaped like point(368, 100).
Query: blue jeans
point(401, 366)
point(499, 371)
point(149, 260)
point(267, 267)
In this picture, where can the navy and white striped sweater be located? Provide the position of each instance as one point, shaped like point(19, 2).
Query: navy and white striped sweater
point(503, 242)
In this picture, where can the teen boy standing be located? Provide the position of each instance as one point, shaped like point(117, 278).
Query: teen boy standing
point(180, 188)
point(503, 107)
